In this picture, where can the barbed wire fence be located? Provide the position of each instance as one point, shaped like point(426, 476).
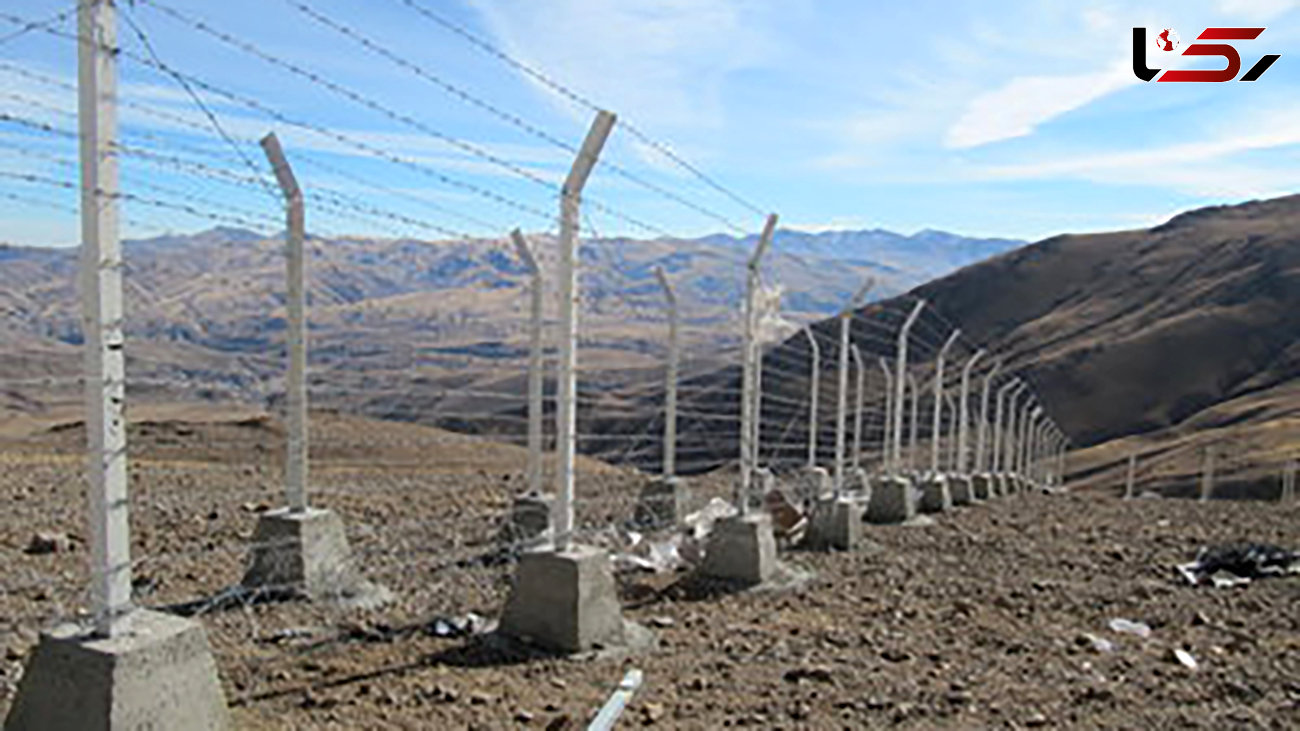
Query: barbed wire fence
point(432, 422)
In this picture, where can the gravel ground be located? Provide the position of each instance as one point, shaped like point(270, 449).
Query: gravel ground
point(988, 618)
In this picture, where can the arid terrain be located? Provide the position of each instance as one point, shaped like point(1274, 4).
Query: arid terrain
point(985, 619)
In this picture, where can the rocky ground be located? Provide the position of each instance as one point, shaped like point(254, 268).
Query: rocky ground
point(995, 616)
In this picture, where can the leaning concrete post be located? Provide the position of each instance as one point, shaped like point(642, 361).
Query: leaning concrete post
point(298, 549)
point(670, 380)
point(962, 464)
point(900, 383)
point(129, 666)
point(750, 365)
point(814, 392)
point(566, 599)
point(296, 398)
point(938, 400)
point(535, 374)
point(566, 416)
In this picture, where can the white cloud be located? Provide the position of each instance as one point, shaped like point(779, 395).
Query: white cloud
point(1017, 108)
point(1202, 167)
point(664, 61)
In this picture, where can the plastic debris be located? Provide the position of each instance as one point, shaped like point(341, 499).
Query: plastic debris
point(788, 521)
point(1234, 564)
point(1129, 627)
point(613, 708)
point(462, 626)
point(1098, 644)
point(1183, 657)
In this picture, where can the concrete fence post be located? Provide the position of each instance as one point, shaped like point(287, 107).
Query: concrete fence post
point(841, 411)
point(953, 426)
point(129, 667)
point(296, 458)
point(860, 368)
point(886, 466)
point(536, 376)
point(963, 463)
point(997, 446)
point(102, 313)
point(900, 383)
point(982, 438)
point(916, 422)
point(814, 393)
point(566, 413)
point(670, 377)
point(749, 374)
point(938, 400)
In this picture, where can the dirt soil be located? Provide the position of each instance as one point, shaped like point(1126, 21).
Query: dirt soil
point(980, 620)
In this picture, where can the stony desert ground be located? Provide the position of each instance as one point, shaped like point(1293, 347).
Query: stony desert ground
point(993, 616)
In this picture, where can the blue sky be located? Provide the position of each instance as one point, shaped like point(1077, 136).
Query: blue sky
point(998, 118)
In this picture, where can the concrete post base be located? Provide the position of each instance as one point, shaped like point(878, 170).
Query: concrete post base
point(663, 503)
point(893, 500)
point(982, 486)
point(565, 601)
point(961, 488)
point(742, 549)
point(158, 673)
point(304, 553)
point(836, 524)
point(1001, 485)
point(859, 487)
point(529, 524)
point(811, 484)
point(935, 497)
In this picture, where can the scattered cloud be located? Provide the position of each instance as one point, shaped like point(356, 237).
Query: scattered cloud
point(663, 62)
point(1024, 103)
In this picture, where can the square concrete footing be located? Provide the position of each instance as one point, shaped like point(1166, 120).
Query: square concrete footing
point(156, 672)
point(530, 522)
point(935, 497)
point(859, 487)
point(961, 489)
point(301, 553)
point(1001, 485)
point(741, 548)
point(565, 601)
point(893, 500)
point(663, 503)
point(982, 486)
point(836, 524)
point(811, 484)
